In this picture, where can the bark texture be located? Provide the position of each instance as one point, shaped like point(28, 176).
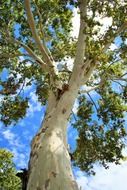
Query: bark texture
point(50, 165)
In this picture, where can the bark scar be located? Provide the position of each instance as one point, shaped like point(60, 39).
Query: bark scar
point(47, 183)
point(44, 129)
point(64, 110)
point(38, 188)
point(54, 174)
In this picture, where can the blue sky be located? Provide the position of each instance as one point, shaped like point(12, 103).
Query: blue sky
point(17, 139)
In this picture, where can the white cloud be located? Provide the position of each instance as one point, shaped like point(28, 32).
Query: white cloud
point(12, 138)
point(113, 47)
point(8, 135)
point(86, 88)
point(82, 180)
point(34, 105)
point(17, 148)
point(126, 41)
point(75, 107)
point(33, 97)
point(114, 178)
point(106, 22)
point(33, 108)
point(75, 23)
point(20, 158)
point(68, 62)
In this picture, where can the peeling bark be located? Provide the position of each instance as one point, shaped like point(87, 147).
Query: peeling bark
point(50, 164)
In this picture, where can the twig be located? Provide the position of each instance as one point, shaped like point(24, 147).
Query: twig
point(21, 88)
point(74, 115)
point(119, 83)
point(30, 52)
point(93, 102)
point(89, 90)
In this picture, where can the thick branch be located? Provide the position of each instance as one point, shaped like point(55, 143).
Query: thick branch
point(42, 31)
point(46, 57)
point(79, 64)
point(40, 20)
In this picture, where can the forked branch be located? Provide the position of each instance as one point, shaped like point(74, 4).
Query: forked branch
point(48, 59)
point(30, 52)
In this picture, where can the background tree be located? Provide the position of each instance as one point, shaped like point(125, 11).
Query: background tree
point(35, 45)
point(8, 179)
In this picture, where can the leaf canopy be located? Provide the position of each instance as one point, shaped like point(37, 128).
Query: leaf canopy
point(8, 179)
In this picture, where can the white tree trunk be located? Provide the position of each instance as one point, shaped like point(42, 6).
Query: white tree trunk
point(50, 164)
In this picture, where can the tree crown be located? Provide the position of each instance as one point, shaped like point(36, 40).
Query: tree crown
point(35, 43)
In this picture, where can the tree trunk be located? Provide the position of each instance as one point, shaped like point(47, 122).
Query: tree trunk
point(50, 164)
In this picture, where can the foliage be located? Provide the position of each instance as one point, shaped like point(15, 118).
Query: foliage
point(24, 65)
point(100, 140)
point(8, 179)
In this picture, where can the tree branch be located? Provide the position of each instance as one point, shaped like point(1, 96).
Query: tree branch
point(92, 101)
point(89, 90)
point(119, 83)
point(79, 64)
point(12, 55)
point(41, 21)
point(31, 53)
point(124, 74)
point(74, 115)
point(41, 29)
point(123, 27)
point(48, 59)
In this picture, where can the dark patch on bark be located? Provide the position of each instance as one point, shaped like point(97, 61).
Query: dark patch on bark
point(83, 66)
point(59, 134)
point(71, 156)
point(60, 92)
point(49, 117)
point(64, 110)
point(24, 178)
point(74, 185)
point(38, 188)
point(38, 62)
point(54, 174)
point(44, 129)
point(35, 155)
point(47, 183)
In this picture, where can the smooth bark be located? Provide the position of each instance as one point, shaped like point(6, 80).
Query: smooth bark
point(50, 164)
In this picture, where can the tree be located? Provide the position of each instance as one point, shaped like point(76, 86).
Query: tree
point(36, 42)
point(8, 179)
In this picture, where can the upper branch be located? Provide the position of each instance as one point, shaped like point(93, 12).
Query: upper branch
point(42, 31)
point(31, 53)
point(46, 57)
point(80, 49)
point(118, 32)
